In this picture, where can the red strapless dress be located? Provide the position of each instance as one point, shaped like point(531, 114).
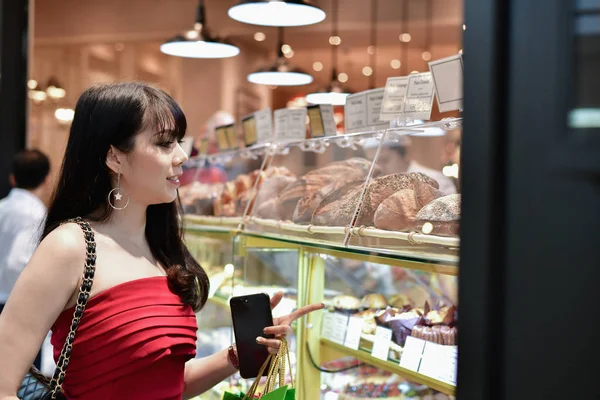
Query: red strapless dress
point(132, 343)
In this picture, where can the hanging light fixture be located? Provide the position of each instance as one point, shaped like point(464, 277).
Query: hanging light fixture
point(334, 93)
point(277, 12)
point(281, 73)
point(198, 42)
point(373, 54)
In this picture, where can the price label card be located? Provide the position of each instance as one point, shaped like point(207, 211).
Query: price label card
point(222, 141)
point(203, 146)
point(321, 120)
point(264, 125)
point(334, 327)
point(249, 128)
point(362, 111)
point(355, 325)
point(290, 124)
point(232, 136)
point(449, 366)
point(439, 362)
point(411, 355)
point(448, 81)
point(382, 343)
point(419, 96)
point(392, 106)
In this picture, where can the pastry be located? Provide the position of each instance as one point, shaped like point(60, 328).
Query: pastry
point(442, 216)
point(369, 324)
point(346, 303)
point(399, 301)
point(374, 301)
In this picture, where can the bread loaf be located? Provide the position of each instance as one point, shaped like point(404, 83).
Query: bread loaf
point(337, 173)
point(340, 211)
point(443, 215)
point(398, 212)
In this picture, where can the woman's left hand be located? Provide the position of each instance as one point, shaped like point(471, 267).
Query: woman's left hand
point(282, 325)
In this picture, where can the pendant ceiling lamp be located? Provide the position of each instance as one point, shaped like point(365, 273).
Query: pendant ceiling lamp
point(277, 12)
point(334, 93)
point(198, 42)
point(281, 73)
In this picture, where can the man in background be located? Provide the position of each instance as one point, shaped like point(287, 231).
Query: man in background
point(22, 214)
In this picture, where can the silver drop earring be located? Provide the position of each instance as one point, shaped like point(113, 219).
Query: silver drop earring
point(118, 194)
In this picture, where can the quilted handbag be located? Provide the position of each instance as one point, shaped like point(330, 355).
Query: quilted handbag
point(35, 386)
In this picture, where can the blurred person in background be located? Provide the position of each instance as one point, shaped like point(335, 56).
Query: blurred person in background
point(207, 173)
point(22, 213)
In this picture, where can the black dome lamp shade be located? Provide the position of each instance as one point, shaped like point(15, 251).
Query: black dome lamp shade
point(277, 12)
point(280, 73)
point(198, 42)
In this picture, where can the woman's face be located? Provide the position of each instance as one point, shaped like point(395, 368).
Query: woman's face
point(152, 169)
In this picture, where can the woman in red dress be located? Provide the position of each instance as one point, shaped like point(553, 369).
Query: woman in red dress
point(137, 336)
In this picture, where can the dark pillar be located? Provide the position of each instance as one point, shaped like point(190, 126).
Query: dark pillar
point(13, 83)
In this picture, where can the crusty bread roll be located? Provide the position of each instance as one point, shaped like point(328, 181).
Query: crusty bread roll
point(340, 211)
point(374, 301)
point(398, 212)
point(443, 216)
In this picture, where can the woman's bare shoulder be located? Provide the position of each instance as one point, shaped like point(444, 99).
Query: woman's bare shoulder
point(64, 246)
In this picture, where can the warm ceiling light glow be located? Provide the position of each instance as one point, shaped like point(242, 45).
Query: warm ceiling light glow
point(64, 115)
point(415, 72)
point(335, 40)
point(32, 84)
point(259, 36)
point(371, 50)
point(464, 27)
point(318, 66)
point(367, 71)
point(289, 54)
point(426, 56)
point(286, 48)
point(275, 78)
point(427, 228)
point(396, 64)
point(333, 98)
point(460, 51)
point(405, 37)
point(199, 49)
point(276, 13)
point(343, 77)
point(56, 93)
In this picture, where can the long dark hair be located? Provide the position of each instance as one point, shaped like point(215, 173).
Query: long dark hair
point(114, 114)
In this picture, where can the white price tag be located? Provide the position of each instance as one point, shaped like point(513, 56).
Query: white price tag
point(290, 124)
point(382, 342)
point(448, 80)
point(411, 355)
point(439, 362)
point(334, 327)
point(355, 325)
point(264, 125)
point(419, 96)
point(328, 119)
point(362, 111)
point(392, 106)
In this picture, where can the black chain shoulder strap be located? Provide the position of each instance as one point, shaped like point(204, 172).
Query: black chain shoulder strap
point(82, 298)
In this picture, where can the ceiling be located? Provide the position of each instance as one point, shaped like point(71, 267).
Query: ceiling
point(72, 21)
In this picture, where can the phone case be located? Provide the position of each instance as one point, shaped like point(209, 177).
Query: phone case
point(251, 315)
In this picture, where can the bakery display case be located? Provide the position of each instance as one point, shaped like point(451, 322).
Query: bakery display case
point(365, 223)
